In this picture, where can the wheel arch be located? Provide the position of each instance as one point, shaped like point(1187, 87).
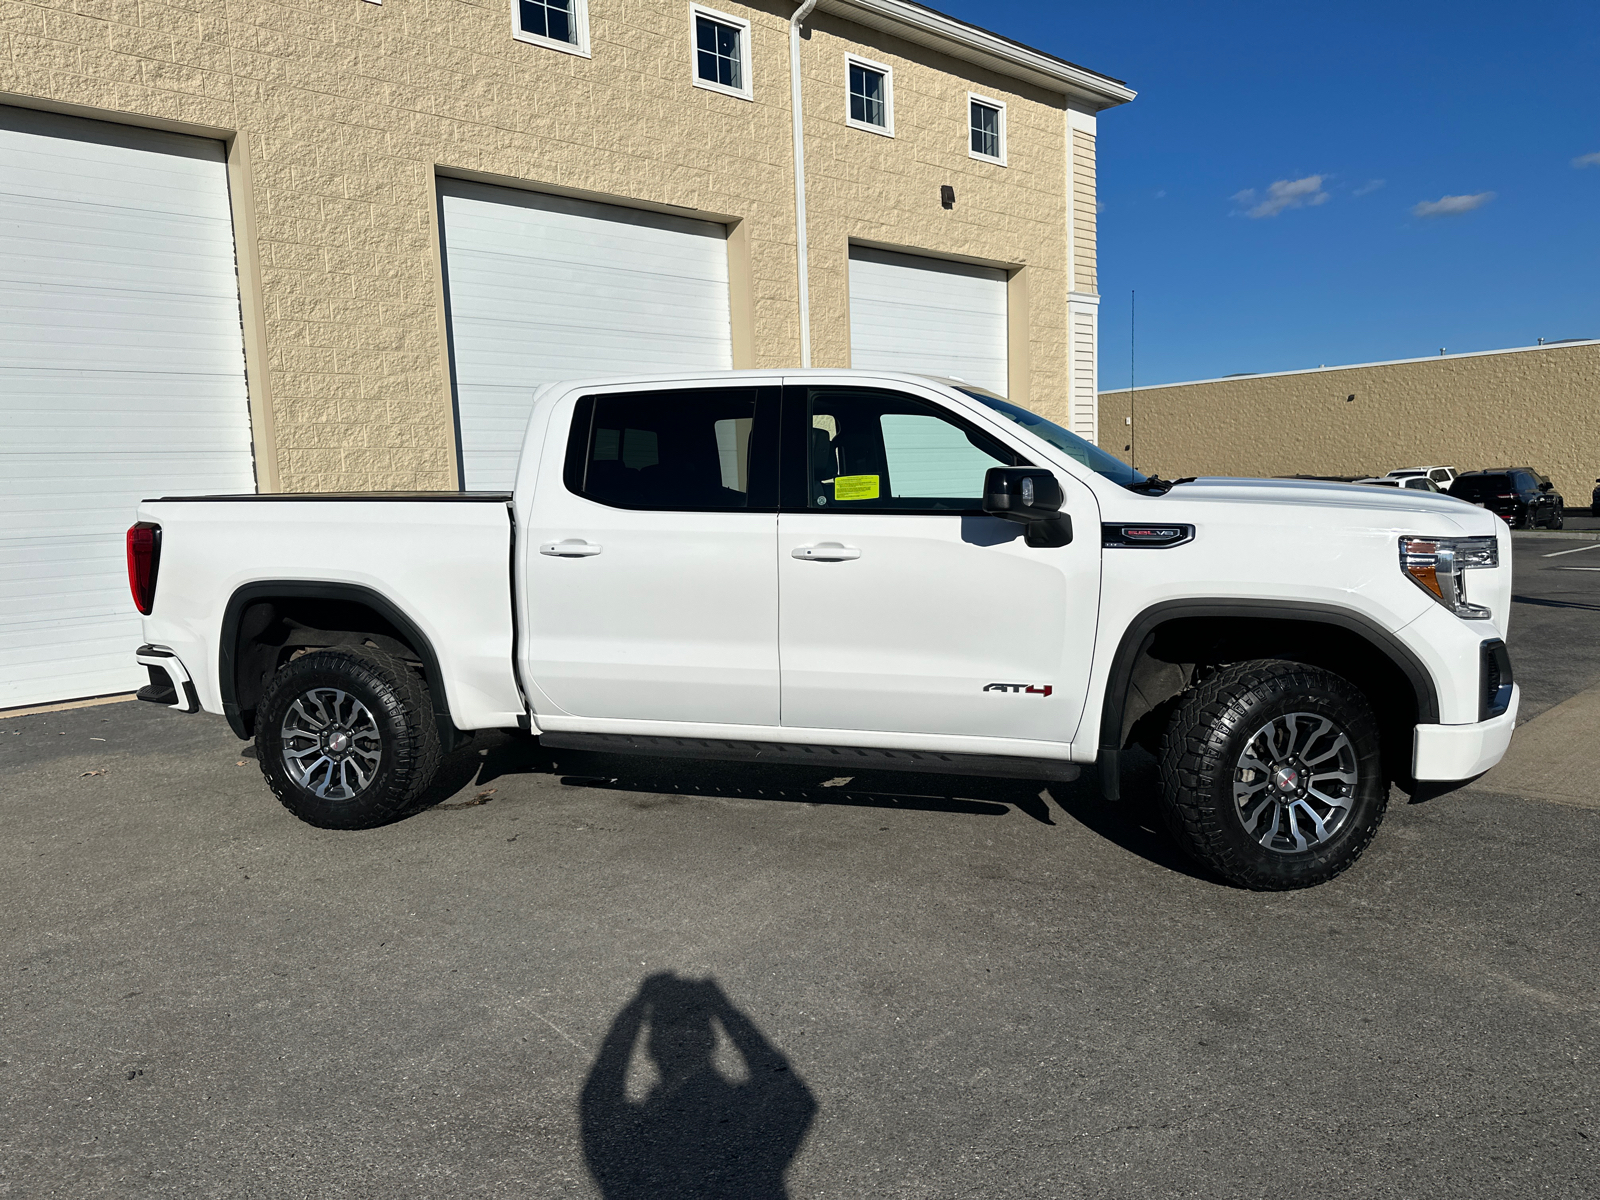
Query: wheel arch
point(1271, 622)
point(242, 674)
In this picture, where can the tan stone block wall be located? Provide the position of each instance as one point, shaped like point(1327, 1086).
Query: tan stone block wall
point(1538, 408)
point(348, 111)
point(871, 189)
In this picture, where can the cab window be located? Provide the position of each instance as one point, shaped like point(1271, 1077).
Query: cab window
point(679, 450)
point(877, 451)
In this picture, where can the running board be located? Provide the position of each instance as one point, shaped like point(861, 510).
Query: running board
point(831, 758)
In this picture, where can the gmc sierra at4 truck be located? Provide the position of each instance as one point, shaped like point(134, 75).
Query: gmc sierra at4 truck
point(850, 569)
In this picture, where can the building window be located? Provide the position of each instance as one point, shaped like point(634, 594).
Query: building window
point(870, 96)
point(721, 52)
point(557, 24)
point(987, 125)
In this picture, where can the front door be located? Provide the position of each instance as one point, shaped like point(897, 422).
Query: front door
point(651, 593)
point(903, 607)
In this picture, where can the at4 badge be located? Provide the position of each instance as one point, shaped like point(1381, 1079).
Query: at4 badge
point(1030, 688)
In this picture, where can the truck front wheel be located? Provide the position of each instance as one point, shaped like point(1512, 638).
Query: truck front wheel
point(1271, 774)
point(346, 738)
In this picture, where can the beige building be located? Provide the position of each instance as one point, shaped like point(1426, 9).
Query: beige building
point(295, 245)
point(1537, 406)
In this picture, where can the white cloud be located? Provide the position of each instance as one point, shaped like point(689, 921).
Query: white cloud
point(1372, 185)
point(1286, 193)
point(1587, 160)
point(1451, 206)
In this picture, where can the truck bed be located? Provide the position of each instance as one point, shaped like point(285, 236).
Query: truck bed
point(441, 558)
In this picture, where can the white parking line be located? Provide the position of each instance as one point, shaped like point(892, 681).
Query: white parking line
point(1575, 550)
point(1578, 568)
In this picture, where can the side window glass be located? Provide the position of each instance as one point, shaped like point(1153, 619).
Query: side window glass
point(879, 451)
point(686, 451)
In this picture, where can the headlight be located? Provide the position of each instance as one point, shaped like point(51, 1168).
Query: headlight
point(1438, 566)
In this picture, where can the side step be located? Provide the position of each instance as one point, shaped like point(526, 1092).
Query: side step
point(831, 758)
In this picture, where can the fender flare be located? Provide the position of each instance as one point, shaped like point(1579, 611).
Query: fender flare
point(302, 589)
point(1136, 638)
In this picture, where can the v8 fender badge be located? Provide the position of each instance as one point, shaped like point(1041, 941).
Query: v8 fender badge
point(1027, 688)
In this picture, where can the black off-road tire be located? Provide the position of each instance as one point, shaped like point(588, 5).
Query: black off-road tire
point(1558, 518)
point(401, 724)
point(1200, 760)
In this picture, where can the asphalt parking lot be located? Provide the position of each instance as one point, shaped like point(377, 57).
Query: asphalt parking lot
point(582, 976)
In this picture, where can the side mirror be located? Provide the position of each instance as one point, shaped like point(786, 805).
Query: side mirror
point(1031, 496)
point(1545, 487)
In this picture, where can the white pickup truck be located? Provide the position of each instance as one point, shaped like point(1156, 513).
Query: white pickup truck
point(850, 569)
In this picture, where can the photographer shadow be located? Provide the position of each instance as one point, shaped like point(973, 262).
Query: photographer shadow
point(701, 1128)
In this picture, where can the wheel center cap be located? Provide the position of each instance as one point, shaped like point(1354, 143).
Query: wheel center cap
point(1286, 779)
point(339, 742)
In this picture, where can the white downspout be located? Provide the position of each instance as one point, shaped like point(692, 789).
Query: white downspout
point(800, 14)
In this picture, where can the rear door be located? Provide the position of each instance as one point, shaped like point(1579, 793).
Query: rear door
point(650, 591)
point(905, 609)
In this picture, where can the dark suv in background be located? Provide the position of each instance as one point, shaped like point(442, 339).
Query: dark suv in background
point(1520, 495)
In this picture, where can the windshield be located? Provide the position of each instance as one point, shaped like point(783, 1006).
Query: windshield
point(1085, 452)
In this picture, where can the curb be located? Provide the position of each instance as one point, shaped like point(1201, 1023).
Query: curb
point(1559, 535)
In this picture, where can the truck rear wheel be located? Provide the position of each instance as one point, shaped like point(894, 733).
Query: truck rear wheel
point(346, 738)
point(1272, 775)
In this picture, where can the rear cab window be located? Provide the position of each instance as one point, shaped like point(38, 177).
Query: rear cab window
point(690, 450)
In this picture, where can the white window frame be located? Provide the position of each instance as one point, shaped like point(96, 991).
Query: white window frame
point(580, 22)
point(966, 126)
point(747, 92)
point(887, 128)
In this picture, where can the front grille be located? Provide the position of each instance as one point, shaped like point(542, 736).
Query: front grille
point(1494, 693)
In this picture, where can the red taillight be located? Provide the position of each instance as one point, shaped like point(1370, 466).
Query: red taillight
point(144, 556)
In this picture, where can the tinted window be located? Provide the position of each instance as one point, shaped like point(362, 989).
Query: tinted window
point(883, 451)
point(664, 450)
point(1482, 485)
point(1085, 452)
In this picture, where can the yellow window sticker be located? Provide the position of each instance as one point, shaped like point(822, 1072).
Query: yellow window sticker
point(855, 487)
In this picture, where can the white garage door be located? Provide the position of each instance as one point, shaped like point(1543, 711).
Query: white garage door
point(121, 377)
point(910, 313)
point(544, 288)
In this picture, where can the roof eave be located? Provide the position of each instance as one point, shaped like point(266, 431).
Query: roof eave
point(972, 44)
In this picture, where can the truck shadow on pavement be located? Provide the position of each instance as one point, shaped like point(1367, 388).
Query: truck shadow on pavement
point(700, 1127)
point(1133, 823)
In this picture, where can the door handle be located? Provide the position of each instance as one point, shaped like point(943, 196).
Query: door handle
point(570, 548)
point(826, 552)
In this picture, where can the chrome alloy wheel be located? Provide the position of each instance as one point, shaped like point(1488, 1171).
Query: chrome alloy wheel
point(331, 744)
point(1295, 781)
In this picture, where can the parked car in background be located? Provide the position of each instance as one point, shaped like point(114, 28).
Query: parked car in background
point(1442, 476)
point(1520, 496)
point(1594, 500)
point(1410, 483)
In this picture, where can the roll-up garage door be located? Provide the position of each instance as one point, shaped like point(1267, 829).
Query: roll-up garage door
point(911, 313)
point(544, 288)
point(121, 377)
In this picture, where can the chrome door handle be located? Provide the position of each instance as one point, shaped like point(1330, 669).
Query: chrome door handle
point(826, 552)
point(570, 548)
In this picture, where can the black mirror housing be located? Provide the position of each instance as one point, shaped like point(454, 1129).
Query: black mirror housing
point(1021, 494)
point(1031, 496)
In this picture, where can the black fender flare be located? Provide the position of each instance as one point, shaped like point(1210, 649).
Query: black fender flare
point(1136, 639)
point(303, 589)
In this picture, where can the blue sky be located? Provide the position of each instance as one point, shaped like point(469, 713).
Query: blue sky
point(1359, 112)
